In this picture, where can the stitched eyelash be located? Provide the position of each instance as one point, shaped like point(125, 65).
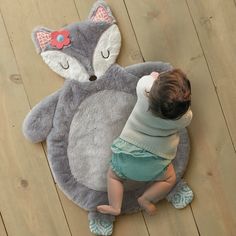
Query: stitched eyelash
point(65, 68)
point(108, 52)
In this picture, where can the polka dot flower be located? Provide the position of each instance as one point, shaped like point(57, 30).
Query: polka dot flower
point(60, 39)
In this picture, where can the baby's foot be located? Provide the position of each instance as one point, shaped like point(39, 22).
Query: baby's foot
point(107, 209)
point(149, 207)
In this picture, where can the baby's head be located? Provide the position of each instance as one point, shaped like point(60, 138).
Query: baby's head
point(170, 95)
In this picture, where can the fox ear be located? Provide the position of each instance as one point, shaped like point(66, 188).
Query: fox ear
point(41, 37)
point(101, 12)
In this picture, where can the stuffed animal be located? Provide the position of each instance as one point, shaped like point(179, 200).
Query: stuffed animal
point(80, 121)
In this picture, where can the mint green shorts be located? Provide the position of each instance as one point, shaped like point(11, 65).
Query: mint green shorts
point(131, 162)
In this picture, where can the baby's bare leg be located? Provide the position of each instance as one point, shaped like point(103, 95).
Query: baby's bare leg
point(115, 195)
point(157, 191)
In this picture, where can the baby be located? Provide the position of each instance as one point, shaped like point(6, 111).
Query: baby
point(148, 143)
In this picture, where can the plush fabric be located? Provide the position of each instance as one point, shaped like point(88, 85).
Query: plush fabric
point(80, 121)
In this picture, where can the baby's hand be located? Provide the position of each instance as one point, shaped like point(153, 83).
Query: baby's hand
point(154, 74)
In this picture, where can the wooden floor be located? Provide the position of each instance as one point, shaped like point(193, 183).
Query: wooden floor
point(197, 36)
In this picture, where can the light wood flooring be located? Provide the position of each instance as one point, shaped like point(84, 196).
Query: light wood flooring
point(198, 36)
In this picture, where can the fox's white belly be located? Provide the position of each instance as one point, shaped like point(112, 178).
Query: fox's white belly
point(98, 121)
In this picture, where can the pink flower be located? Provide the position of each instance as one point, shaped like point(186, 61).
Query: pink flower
point(60, 38)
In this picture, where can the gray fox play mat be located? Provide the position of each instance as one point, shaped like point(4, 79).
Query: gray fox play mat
point(80, 121)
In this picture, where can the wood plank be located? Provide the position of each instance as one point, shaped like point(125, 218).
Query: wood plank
point(132, 224)
point(154, 46)
point(169, 221)
point(2, 228)
point(77, 218)
point(38, 79)
point(29, 201)
point(216, 28)
point(211, 170)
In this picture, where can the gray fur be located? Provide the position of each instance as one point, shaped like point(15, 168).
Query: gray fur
point(146, 68)
point(72, 94)
point(80, 121)
point(80, 48)
point(106, 125)
point(38, 123)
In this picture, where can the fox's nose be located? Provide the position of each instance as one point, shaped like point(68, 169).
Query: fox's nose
point(93, 78)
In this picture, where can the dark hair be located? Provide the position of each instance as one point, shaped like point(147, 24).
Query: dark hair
point(170, 95)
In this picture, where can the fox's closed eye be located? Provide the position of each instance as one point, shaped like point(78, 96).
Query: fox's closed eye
point(106, 50)
point(65, 66)
point(105, 54)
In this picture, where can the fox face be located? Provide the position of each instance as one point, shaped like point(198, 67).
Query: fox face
point(81, 51)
